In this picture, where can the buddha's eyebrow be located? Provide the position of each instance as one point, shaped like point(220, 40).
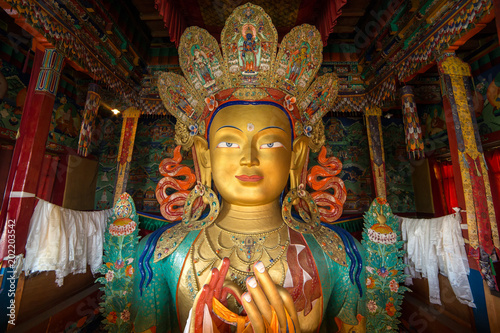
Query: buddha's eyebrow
point(272, 127)
point(229, 126)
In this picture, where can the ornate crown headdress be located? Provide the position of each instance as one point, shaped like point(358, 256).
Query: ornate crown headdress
point(249, 69)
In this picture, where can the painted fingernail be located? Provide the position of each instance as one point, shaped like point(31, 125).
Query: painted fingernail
point(252, 282)
point(247, 297)
point(260, 267)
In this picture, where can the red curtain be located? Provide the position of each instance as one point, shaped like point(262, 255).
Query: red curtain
point(450, 194)
point(493, 163)
point(443, 172)
point(173, 20)
point(437, 188)
point(328, 18)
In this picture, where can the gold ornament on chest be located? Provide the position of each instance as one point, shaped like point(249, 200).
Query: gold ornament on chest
point(243, 250)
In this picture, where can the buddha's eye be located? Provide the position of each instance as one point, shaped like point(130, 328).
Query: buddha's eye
point(225, 144)
point(275, 144)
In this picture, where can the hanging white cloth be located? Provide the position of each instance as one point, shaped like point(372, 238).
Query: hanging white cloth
point(65, 240)
point(436, 246)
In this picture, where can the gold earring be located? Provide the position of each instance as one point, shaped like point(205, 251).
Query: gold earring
point(309, 224)
point(191, 219)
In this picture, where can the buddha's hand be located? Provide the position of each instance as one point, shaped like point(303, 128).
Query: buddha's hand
point(268, 305)
point(214, 293)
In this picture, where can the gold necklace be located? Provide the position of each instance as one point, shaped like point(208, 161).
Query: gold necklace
point(268, 247)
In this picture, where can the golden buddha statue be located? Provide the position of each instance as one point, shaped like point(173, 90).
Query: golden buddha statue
point(245, 256)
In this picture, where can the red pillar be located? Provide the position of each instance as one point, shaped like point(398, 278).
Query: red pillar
point(469, 166)
point(19, 200)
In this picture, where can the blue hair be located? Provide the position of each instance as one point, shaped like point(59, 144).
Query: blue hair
point(149, 249)
point(356, 265)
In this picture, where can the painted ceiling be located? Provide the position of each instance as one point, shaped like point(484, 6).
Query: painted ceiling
point(373, 46)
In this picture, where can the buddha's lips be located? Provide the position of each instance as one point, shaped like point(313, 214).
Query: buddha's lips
point(245, 178)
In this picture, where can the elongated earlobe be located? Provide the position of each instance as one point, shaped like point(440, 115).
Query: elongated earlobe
point(299, 156)
point(203, 157)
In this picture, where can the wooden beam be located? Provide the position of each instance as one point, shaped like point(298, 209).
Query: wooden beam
point(340, 29)
point(352, 13)
point(150, 16)
point(159, 33)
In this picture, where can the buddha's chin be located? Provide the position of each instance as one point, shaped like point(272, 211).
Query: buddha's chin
point(250, 196)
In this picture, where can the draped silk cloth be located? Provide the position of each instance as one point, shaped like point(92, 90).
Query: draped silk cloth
point(65, 240)
point(176, 24)
point(172, 18)
point(328, 19)
point(436, 246)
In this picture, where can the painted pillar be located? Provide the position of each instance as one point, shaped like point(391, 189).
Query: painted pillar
point(469, 166)
point(374, 129)
point(129, 127)
point(413, 132)
point(91, 107)
point(19, 201)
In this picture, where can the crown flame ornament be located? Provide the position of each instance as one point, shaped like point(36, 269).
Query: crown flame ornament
point(249, 70)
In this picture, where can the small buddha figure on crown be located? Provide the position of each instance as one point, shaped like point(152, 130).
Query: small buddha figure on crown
point(250, 252)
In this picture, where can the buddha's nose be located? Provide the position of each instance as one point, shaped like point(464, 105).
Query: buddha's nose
point(249, 157)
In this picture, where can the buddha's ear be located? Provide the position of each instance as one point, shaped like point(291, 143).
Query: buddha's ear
point(203, 157)
point(299, 156)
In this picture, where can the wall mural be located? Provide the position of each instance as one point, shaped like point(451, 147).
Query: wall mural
point(346, 139)
point(400, 193)
point(105, 144)
point(154, 141)
point(487, 101)
point(13, 85)
point(433, 124)
point(65, 124)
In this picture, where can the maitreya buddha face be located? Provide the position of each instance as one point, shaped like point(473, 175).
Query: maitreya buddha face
point(250, 153)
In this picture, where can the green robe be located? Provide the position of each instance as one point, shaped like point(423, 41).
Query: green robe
point(156, 307)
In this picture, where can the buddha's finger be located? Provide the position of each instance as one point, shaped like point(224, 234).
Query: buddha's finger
point(271, 292)
point(229, 287)
point(214, 279)
point(253, 313)
point(290, 308)
point(223, 268)
point(199, 308)
point(259, 298)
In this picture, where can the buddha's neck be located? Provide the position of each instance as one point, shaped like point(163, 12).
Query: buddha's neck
point(250, 219)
